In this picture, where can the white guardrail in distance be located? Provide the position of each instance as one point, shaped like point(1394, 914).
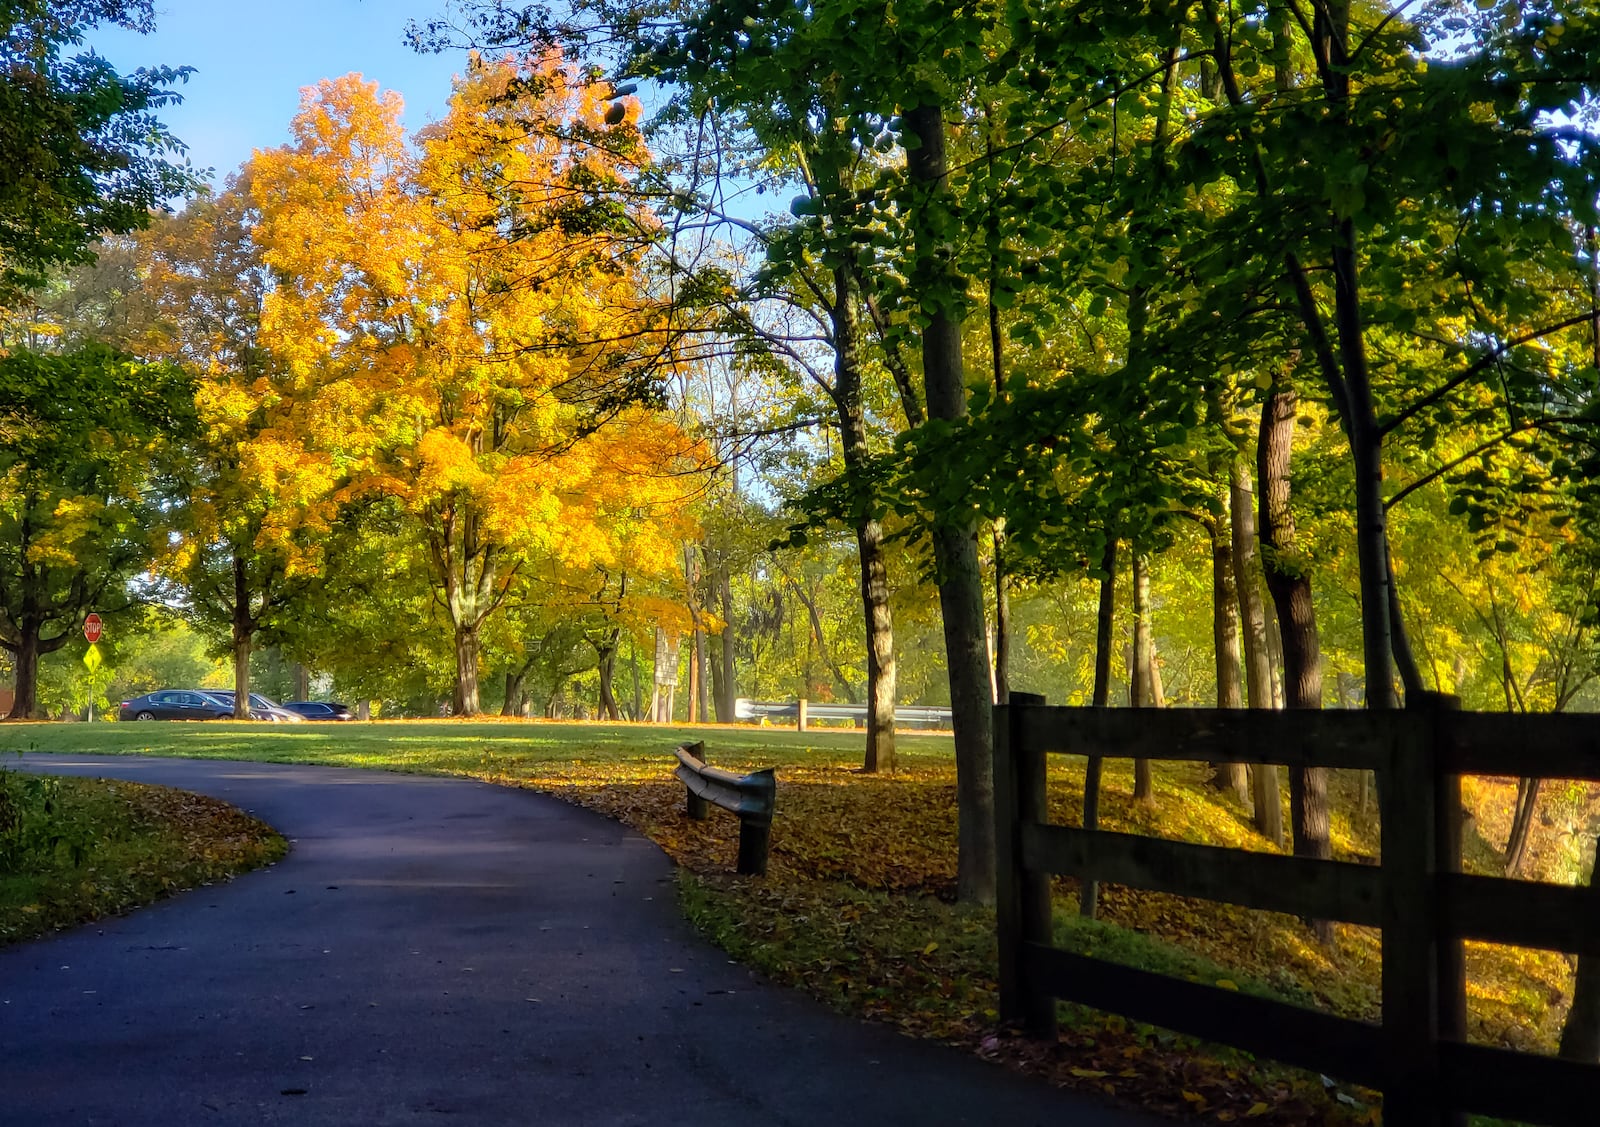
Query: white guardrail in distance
point(802, 712)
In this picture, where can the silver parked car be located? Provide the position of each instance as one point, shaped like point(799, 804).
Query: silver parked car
point(261, 708)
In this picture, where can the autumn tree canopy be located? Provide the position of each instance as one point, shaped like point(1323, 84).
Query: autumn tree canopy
point(473, 331)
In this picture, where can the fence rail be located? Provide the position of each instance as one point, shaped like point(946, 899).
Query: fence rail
point(1418, 895)
point(801, 712)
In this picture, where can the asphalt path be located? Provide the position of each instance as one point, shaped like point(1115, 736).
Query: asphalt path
point(440, 950)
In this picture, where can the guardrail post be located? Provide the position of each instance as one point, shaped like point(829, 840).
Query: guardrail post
point(698, 808)
point(1413, 1092)
point(755, 830)
point(801, 723)
point(1022, 897)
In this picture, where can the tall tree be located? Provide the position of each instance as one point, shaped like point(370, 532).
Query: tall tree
point(476, 321)
point(1226, 651)
point(1141, 674)
point(1258, 673)
point(1289, 581)
point(257, 494)
point(80, 495)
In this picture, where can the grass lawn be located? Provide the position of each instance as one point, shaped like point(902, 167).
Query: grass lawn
point(451, 746)
point(857, 909)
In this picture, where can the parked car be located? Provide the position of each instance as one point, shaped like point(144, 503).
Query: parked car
point(320, 709)
point(175, 704)
point(261, 708)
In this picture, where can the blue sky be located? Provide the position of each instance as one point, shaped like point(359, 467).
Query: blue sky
point(251, 60)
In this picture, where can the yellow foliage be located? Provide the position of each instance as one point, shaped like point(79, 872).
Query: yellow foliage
point(452, 313)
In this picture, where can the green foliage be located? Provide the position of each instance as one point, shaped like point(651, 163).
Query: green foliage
point(34, 829)
point(85, 152)
point(81, 489)
point(73, 850)
point(115, 402)
point(160, 651)
point(145, 649)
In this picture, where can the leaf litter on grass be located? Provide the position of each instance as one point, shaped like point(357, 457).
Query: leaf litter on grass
point(856, 908)
point(119, 845)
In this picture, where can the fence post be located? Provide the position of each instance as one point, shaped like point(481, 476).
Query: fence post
point(698, 809)
point(1452, 952)
point(1022, 898)
point(1408, 800)
point(801, 723)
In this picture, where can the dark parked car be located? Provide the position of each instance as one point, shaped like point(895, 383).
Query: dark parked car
point(320, 709)
point(176, 704)
point(261, 708)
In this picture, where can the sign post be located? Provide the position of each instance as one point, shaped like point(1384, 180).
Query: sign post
point(92, 629)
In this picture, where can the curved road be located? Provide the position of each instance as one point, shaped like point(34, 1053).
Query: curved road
point(438, 950)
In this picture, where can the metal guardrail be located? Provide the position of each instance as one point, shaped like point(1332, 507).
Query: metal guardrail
point(802, 712)
point(752, 797)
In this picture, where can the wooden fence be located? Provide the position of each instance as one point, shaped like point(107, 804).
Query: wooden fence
point(1418, 896)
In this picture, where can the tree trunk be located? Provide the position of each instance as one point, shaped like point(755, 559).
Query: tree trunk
point(702, 703)
point(241, 676)
point(1405, 659)
point(1225, 643)
point(1275, 655)
point(847, 398)
point(638, 689)
point(1521, 825)
point(665, 677)
point(955, 545)
point(694, 679)
point(1002, 616)
point(730, 686)
point(881, 671)
point(1372, 538)
point(1290, 587)
point(1580, 1037)
point(696, 674)
point(25, 666)
point(1105, 620)
point(1252, 617)
point(512, 706)
point(1158, 692)
point(302, 681)
point(244, 629)
point(1139, 676)
point(691, 579)
point(608, 668)
point(716, 667)
point(464, 701)
point(719, 689)
point(1002, 578)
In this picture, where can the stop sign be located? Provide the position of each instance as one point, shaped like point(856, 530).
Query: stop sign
point(92, 627)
